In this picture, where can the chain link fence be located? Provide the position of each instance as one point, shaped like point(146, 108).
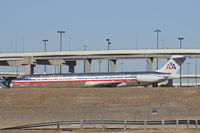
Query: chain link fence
point(11, 116)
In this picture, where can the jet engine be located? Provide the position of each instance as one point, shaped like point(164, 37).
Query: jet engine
point(147, 78)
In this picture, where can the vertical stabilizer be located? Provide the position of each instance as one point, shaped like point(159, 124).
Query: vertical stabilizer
point(173, 65)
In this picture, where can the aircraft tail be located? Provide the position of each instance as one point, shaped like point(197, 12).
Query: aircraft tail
point(173, 65)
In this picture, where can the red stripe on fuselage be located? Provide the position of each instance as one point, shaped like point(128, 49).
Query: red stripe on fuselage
point(60, 81)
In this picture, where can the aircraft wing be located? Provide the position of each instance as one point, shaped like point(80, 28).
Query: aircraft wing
point(103, 83)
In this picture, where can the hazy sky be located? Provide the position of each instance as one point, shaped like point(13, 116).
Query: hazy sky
point(129, 24)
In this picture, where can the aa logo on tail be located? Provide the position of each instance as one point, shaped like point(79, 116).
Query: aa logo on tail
point(171, 66)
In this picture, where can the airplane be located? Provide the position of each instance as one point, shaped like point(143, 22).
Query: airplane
point(112, 79)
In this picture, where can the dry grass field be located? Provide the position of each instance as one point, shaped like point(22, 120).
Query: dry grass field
point(95, 98)
point(75, 98)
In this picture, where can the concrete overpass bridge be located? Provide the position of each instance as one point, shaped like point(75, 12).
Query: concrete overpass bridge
point(29, 60)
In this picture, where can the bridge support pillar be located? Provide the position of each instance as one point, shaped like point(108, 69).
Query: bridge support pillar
point(29, 63)
point(87, 65)
point(71, 65)
point(29, 69)
point(112, 65)
point(149, 64)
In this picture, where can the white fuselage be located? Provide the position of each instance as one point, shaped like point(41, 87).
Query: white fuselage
point(90, 79)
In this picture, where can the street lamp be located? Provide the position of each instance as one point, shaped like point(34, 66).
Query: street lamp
point(157, 31)
point(45, 50)
point(180, 38)
point(85, 46)
point(45, 44)
point(60, 32)
point(109, 43)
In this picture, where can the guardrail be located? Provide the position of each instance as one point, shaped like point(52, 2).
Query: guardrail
point(104, 123)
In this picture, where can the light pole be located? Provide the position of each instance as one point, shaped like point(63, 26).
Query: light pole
point(85, 46)
point(180, 39)
point(45, 50)
point(109, 43)
point(157, 31)
point(188, 72)
point(60, 32)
